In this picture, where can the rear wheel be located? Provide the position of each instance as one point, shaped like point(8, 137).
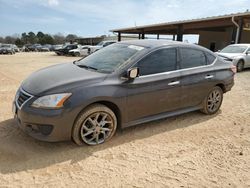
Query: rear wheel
point(95, 125)
point(213, 101)
point(240, 66)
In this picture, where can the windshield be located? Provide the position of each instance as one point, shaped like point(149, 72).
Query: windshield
point(100, 43)
point(110, 58)
point(234, 49)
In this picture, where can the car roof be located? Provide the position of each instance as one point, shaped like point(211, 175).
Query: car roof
point(242, 44)
point(149, 43)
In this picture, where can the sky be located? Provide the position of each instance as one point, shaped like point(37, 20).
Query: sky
point(89, 18)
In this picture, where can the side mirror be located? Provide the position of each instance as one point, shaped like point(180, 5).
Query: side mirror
point(133, 73)
point(247, 53)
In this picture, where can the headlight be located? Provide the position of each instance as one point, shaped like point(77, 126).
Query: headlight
point(51, 101)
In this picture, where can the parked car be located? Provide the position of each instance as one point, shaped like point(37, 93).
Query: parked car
point(33, 47)
point(57, 47)
point(15, 48)
point(7, 49)
point(26, 48)
point(100, 45)
point(124, 84)
point(45, 48)
point(239, 54)
point(81, 51)
point(65, 50)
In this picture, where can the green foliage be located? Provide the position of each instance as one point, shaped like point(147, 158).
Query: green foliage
point(40, 37)
point(19, 42)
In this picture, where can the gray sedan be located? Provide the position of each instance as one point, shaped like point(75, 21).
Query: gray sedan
point(122, 85)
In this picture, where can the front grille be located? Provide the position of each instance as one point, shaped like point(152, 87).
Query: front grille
point(22, 98)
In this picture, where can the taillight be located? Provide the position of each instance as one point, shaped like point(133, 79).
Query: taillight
point(233, 69)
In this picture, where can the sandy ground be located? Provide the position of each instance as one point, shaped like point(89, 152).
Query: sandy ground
point(191, 150)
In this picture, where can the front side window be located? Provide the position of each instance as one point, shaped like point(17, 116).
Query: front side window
point(192, 58)
point(162, 60)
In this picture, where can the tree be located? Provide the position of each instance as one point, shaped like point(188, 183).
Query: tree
point(19, 42)
point(9, 40)
point(40, 34)
point(71, 38)
point(32, 38)
point(24, 38)
point(59, 38)
point(1, 40)
point(47, 39)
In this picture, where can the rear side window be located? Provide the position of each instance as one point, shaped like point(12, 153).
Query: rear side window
point(162, 60)
point(210, 58)
point(192, 58)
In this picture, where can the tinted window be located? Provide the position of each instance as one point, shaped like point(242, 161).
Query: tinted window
point(210, 58)
point(160, 61)
point(192, 58)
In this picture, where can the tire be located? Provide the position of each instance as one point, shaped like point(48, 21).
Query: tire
point(213, 101)
point(240, 66)
point(94, 125)
point(77, 54)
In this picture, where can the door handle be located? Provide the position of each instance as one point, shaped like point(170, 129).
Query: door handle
point(209, 76)
point(174, 83)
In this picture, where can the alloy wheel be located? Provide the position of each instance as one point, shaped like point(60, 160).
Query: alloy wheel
point(97, 128)
point(214, 100)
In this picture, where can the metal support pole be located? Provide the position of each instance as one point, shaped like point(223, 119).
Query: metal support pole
point(180, 33)
point(158, 36)
point(119, 36)
point(142, 36)
point(241, 23)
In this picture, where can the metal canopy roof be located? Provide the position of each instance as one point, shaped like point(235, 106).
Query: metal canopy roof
point(193, 26)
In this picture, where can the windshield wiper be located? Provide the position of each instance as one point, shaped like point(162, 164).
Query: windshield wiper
point(86, 66)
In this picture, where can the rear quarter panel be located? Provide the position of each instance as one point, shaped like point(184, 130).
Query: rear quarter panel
point(224, 74)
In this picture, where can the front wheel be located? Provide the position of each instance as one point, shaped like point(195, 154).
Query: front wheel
point(77, 54)
point(95, 125)
point(213, 101)
point(240, 66)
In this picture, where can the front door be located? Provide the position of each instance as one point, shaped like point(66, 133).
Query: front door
point(157, 89)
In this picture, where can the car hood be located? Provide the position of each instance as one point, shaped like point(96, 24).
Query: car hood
point(229, 55)
point(60, 78)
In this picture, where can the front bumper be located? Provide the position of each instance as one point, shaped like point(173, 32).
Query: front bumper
point(44, 124)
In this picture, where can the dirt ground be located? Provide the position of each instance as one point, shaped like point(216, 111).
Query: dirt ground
point(191, 150)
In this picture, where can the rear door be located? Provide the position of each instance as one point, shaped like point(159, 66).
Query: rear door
point(197, 75)
point(157, 89)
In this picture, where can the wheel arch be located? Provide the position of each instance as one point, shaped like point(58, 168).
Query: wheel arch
point(114, 108)
point(241, 59)
point(111, 106)
point(222, 86)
